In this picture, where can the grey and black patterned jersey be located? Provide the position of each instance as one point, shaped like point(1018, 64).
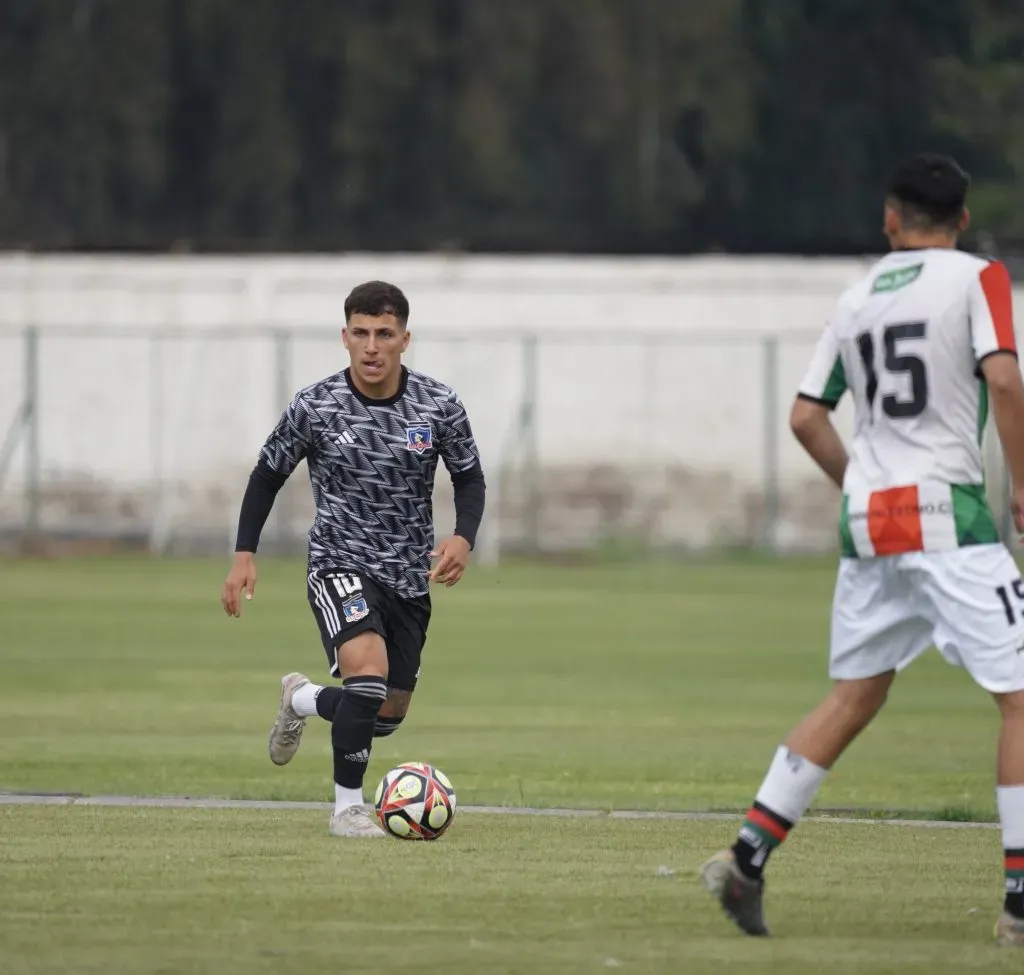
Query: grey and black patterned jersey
point(372, 465)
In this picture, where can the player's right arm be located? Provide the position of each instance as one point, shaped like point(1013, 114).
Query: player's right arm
point(289, 442)
point(819, 394)
point(995, 348)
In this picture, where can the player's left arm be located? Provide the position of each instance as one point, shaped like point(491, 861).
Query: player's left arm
point(819, 394)
point(458, 449)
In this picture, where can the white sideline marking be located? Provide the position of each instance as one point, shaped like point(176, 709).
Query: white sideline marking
point(184, 802)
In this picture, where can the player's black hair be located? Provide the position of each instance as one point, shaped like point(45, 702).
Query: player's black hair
point(930, 190)
point(376, 298)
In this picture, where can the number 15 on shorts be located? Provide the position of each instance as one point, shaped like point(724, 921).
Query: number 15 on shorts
point(1012, 598)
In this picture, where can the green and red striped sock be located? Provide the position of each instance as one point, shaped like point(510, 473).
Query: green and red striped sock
point(1013, 865)
point(762, 831)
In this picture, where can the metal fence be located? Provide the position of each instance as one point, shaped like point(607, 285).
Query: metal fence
point(600, 440)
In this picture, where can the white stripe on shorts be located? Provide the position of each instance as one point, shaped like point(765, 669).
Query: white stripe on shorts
point(323, 600)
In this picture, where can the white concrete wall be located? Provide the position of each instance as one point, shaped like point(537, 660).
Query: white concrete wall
point(479, 293)
point(653, 361)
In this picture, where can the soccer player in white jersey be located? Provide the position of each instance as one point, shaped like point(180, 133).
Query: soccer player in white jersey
point(925, 345)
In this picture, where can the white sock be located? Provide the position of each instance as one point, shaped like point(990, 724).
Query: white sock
point(304, 700)
point(343, 798)
point(1010, 803)
point(790, 785)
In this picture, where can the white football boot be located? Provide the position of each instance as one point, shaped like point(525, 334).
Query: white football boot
point(355, 821)
point(287, 731)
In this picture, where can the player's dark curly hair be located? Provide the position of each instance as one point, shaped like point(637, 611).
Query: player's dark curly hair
point(376, 298)
point(930, 190)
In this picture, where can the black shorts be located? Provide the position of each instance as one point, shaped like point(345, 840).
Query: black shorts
point(346, 604)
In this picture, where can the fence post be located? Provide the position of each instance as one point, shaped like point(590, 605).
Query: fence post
point(528, 429)
point(156, 402)
point(282, 394)
point(33, 501)
point(770, 459)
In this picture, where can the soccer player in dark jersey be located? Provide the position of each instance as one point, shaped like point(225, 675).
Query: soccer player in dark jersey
point(371, 436)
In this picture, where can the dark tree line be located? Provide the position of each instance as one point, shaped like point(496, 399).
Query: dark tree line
point(581, 125)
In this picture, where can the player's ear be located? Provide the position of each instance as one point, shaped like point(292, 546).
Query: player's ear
point(406, 336)
point(891, 222)
point(344, 335)
point(965, 220)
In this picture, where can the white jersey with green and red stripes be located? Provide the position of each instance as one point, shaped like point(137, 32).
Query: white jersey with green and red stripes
point(907, 341)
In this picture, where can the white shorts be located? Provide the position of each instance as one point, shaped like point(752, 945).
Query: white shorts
point(968, 602)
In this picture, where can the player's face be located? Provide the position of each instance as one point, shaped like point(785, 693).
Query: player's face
point(375, 347)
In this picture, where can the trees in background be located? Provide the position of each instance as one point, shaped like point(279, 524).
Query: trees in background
point(582, 125)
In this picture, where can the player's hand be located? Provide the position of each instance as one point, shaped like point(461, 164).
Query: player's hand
point(453, 557)
point(1017, 509)
point(241, 577)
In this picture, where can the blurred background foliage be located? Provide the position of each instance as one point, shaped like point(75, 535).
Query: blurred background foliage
point(668, 126)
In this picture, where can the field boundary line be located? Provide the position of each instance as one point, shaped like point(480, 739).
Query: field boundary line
point(187, 802)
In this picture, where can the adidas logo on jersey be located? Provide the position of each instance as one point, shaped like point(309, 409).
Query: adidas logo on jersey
point(345, 439)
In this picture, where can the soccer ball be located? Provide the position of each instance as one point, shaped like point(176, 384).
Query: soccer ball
point(415, 801)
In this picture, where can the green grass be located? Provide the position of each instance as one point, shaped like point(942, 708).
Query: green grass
point(654, 687)
point(161, 892)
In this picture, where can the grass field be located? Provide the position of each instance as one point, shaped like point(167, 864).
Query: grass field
point(613, 688)
point(103, 891)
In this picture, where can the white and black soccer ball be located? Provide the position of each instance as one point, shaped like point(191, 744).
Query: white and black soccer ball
point(415, 801)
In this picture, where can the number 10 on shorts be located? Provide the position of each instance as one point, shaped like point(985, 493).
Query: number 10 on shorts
point(1003, 592)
